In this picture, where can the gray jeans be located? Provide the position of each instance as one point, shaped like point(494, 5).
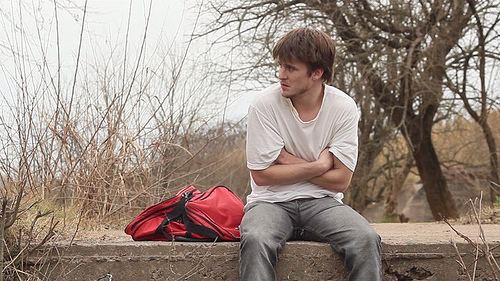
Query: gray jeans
point(267, 226)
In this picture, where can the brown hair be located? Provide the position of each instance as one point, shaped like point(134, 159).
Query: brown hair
point(312, 47)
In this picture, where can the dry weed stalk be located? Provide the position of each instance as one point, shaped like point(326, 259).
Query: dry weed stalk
point(15, 251)
point(481, 249)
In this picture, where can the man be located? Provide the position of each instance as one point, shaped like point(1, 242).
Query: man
point(301, 153)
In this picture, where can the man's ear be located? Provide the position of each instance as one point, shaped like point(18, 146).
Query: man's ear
point(317, 74)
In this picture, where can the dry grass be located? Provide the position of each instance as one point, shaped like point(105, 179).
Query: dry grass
point(93, 150)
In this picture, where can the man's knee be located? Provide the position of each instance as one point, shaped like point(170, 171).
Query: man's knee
point(369, 239)
point(368, 234)
point(260, 239)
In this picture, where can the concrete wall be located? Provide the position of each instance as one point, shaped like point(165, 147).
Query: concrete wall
point(406, 256)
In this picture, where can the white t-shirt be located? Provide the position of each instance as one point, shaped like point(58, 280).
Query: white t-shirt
point(273, 123)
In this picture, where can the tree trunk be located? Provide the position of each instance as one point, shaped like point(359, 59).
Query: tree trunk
point(372, 138)
point(439, 197)
point(356, 196)
point(492, 149)
point(393, 189)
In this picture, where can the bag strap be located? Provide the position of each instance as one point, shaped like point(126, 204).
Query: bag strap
point(180, 211)
point(200, 229)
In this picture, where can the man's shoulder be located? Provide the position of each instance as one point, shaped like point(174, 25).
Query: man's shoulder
point(339, 99)
point(267, 97)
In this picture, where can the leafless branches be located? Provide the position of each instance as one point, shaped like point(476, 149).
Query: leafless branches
point(472, 71)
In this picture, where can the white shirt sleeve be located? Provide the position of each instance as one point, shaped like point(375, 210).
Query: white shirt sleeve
point(344, 144)
point(264, 143)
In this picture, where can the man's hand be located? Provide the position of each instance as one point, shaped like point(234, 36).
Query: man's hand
point(327, 171)
point(326, 158)
point(286, 158)
point(290, 169)
point(336, 176)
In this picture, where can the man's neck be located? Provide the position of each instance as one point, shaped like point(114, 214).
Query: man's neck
point(310, 100)
point(309, 103)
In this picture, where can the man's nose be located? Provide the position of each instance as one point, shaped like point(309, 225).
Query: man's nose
point(282, 73)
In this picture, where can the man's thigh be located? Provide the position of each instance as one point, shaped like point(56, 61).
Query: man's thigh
point(268, 220)
point(327, 220)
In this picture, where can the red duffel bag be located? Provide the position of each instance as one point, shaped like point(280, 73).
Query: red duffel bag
point(191, 215)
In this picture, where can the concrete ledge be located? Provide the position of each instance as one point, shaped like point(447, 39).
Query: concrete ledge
point(410, 252)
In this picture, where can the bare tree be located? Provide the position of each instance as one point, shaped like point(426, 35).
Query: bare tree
point(255, 65)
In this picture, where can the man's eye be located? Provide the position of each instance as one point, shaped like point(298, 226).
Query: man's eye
point(286, 67)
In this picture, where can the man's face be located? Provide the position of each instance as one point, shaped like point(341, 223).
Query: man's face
point(295, 78)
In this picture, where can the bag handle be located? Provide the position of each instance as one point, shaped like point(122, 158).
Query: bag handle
point(180, 211)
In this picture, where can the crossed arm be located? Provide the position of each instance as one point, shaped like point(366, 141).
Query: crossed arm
point(327, 172)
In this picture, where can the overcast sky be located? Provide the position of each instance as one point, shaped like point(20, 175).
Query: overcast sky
point(171, 23)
